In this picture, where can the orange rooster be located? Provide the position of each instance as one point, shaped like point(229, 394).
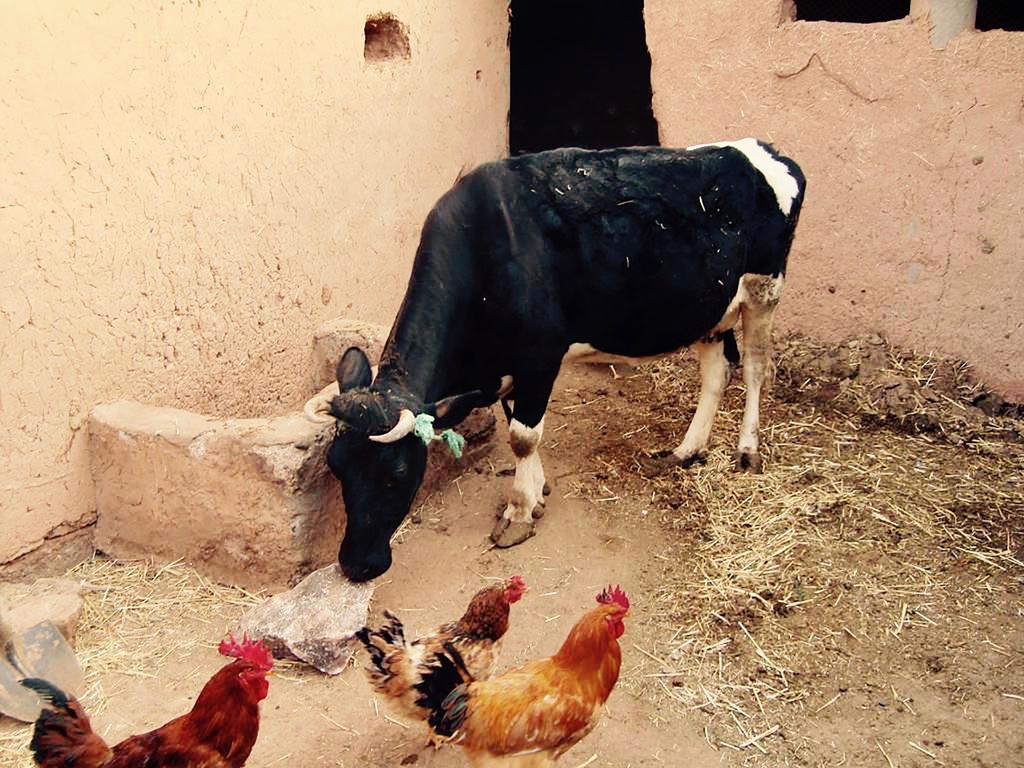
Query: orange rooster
point(398, 669)
point(219, 732)
point(529, 716)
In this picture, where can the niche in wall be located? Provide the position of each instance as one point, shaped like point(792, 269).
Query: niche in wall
point(384, 38)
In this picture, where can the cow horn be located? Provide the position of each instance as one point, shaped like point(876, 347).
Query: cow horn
point(318, 409)
point(406, 421)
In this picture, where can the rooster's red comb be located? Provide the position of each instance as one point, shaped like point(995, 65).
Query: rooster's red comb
point(614, 595)
point(252, 651)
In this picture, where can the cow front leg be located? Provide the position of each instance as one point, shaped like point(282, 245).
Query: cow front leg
point(758, 310)
point(526, 501)
point(714, 375)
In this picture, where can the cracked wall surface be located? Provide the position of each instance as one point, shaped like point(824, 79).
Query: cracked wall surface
point(914, 219)
point(187, 191)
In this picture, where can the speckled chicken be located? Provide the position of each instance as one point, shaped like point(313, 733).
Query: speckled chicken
point(398, 669)
point(530, 716)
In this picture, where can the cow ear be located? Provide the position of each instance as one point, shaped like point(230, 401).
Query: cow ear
point(353, 370)
point(450, 411)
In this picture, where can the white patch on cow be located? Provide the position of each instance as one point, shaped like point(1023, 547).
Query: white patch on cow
point(531, 436)
point(752, 289)
point(731, 315)
point(505, 386)
point(775, 172)
point(761, 290)
point(528, 485)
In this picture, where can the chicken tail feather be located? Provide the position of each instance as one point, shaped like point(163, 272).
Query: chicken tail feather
point(381, 644)
point(63, 735)
point(394, 626)
point(445, 691)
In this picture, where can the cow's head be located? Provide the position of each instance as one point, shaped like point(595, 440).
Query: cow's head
point(376, 457)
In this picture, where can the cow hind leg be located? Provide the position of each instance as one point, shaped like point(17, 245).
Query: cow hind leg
point(757, 310)
point(714, 375)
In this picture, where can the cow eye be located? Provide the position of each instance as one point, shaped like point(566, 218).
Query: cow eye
point(401, 470)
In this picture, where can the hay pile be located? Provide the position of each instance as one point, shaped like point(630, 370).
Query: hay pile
point(891, 502)
point(887, 386)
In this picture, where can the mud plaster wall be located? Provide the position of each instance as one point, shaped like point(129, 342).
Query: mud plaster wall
point(187, 190)
point(914, 219)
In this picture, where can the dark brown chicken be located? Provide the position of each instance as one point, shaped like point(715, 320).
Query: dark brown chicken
point(219, 732)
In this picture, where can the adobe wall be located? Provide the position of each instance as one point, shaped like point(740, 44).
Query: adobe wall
point(178, 217)
point(914, 218)
point(188, 190)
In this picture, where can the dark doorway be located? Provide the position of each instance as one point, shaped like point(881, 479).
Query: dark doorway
point(1000, 14)
point(581, 75)
point(858, 11)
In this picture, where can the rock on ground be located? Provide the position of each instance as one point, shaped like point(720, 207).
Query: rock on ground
point(314, 622)
point(58, 601)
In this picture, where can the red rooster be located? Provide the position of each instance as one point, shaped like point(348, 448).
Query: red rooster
point(219, 732)
point(529, 716)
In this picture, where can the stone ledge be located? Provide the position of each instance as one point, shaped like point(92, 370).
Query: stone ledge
point(245, 501)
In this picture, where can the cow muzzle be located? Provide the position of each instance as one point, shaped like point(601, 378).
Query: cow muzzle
point(366, 567)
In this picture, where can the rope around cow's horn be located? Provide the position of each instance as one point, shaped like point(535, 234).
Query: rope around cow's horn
point(424, 430)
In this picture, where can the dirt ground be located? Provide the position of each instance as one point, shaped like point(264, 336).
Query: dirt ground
point(861, 603)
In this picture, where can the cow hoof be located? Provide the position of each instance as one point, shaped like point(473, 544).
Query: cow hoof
point(654, 464)
point(538, 512)
point(689, 461)
point(685, 462)
point(663, 461)
point(546, 490)
point(748, 462)
point(508, 533)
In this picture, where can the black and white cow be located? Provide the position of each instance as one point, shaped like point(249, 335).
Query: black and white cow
point(570, 253)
